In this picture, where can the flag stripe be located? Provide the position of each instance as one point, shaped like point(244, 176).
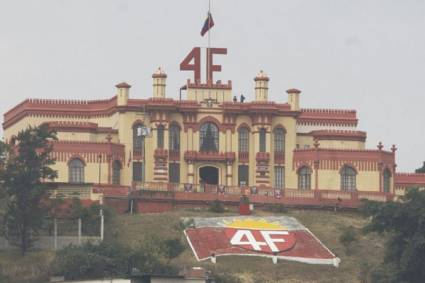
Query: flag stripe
point(208, 24)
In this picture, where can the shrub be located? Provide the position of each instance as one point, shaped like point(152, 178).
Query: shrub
point(220, 277)
point(347, 238)
point(278, 208)
point(112, 259)
point(217, 206)
point(91, 261)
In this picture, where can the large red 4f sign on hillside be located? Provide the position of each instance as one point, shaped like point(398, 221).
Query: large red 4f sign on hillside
point(195, 57)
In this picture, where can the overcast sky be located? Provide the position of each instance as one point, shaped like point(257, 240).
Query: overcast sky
point(364, 55)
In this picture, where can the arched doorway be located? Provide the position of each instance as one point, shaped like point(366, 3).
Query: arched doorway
point(208, 175)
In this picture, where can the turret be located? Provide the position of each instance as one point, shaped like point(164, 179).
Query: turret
point(261, 87)
point(159, 82)
point(123, 92)
point(294, 99)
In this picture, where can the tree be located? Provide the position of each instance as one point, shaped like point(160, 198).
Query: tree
point(421, 170)
point(26, 166)
point(404, 223)
point(4, 148)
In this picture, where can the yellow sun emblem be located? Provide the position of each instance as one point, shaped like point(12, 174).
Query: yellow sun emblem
point(256, 224)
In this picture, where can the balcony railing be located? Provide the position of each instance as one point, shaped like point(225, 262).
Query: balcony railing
point(174, 155)
point(243, 156)
point(160, 153)
point(262, 157)
point(279, 157)
point(137, 154)
point(209, 156)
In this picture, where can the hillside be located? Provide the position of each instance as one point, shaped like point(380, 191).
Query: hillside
point(326, 225)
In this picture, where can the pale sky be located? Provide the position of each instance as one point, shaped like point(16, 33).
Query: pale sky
point(366, 55)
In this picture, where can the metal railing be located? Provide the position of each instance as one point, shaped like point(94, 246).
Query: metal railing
point(268, 192)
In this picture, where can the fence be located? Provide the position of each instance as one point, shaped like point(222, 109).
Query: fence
point(191, 194)
point(59, 233)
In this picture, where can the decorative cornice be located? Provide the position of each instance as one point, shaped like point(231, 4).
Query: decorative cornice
point(333, 159)
point(73, 126)
point(411, 179)
point(328, 117)
point(338, 135)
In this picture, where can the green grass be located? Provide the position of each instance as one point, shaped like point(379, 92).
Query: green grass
point(133, 230)
point(34, 267)
point(326, 225)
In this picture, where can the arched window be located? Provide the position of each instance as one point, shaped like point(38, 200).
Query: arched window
point(387, 180)
point(348, 179)
point(262, 140)
point(138, 139)
point(116, 173)
point(76, 171)
point(160, 136)
point(209, 137)
point(279, 140)
point(243, 140)
point(304, 178)
point(174, 138)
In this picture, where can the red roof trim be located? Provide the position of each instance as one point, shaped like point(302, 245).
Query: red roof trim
point(410, 179)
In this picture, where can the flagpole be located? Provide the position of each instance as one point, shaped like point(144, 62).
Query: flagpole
point(209, 41)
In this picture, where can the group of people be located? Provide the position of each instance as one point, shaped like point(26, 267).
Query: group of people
point(242, 98)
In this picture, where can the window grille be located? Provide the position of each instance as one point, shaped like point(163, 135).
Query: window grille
point(262, 140)
point(209, 137)
point(116, 173)
point(243, 175)
point(348, 179)
point(304, 178)
point(387, 181)
point(76, 171)
point(279, 140)
point(279, 177)
point(243, 140)
point(138, 172)
point(174, 171)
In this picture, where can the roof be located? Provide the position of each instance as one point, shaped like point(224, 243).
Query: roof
point(73, 126)
point(410, 179)
point(328, 116)
point(123, 85)
point(338, 135)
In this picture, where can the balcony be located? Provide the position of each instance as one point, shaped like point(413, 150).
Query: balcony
point(243, 156)
point(194, 156)
point(279, 157)
point(174, 155)
point(262, 157)
point(138, 154)
point(160, 153)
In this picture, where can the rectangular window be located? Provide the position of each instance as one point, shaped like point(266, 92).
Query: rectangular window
point(160, 137)
point(279, 177)
point(262, 140)
point(243, 175)
point(138, 172)
point(243, 140)
point(174, 171)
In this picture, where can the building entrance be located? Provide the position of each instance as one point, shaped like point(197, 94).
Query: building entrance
point(208, 175)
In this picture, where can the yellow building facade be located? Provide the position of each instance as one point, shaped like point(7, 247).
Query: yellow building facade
point(207, 140)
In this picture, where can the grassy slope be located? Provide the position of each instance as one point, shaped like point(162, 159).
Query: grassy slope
point(31, 268)
point(326, 225)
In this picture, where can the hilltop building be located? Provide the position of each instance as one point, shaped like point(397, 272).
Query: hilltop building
point(210, 141)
